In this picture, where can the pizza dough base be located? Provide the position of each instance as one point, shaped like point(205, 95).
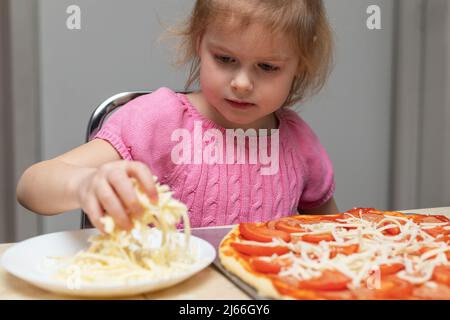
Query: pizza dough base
point(263, 285)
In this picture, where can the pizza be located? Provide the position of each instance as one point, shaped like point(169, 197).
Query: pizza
point(360, 254)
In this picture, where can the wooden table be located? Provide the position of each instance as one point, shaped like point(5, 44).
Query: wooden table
point(208, 284)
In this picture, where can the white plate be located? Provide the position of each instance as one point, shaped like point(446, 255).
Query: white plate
point(26, 261)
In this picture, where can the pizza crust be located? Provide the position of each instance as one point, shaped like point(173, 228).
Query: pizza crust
point(233, 263)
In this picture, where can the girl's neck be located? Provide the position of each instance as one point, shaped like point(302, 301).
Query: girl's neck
point(198, 101)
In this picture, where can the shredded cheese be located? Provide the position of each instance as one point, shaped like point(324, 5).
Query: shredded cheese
point(375, 249)
point(143, 253)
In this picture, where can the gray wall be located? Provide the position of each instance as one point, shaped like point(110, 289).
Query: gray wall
point(117, 50)
point(5, 121)
point(22, 132)
point(352, 116)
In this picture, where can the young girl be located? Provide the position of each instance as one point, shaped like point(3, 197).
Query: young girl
point(252, 59)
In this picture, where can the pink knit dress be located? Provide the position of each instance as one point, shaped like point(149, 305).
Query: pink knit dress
point(221, 193)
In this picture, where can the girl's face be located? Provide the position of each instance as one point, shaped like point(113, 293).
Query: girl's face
point(246, 74)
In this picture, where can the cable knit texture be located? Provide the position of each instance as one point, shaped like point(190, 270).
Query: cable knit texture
point(221, 193)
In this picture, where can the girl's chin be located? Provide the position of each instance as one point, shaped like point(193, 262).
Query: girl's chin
point(234, 123)
point(237, 119)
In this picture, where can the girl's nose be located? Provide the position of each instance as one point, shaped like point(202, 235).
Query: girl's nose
point(242, 83)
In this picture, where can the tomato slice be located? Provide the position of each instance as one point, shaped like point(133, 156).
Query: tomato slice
point(337, 295)
point(438, 292)
point(251, 231)
point(444, 239)
point(330, 280)
point(288, 286)
point(316, 238)
point(360, 210)
point(273, 266)
point(387, 269)
point(255, 250)
point(418, 218)
point(373, 217)
point(423, 250)
point(363, 211)
point(437, 231)
point(271, 224)
point(441, 274)
point(345, 250)
point(369, 214)
point(290, 225)
point(392, 287)
point(391, 231)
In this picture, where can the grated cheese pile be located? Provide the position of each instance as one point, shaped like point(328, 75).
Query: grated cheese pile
point(143, 253)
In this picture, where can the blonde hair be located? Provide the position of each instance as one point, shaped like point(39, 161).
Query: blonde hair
point(304, 21)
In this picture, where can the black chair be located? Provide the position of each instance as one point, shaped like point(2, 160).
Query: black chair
point(96, 121)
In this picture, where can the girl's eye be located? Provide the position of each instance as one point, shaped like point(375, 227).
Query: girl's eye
point(268, 67)
point(224, 59)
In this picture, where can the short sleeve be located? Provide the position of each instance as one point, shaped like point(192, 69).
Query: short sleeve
point(318, 173)
point(141, 130)
point(115, 132)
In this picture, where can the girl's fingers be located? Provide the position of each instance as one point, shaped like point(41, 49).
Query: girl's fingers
point(141, 172)
point(111, 203)
point(95, 213)
point(123, 186)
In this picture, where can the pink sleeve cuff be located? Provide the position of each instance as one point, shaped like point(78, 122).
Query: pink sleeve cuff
point(116, 142)
point(318, 203)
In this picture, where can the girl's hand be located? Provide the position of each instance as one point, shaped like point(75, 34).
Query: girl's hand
point(110, 189)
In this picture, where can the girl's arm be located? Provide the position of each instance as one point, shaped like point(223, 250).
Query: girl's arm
point(328, 207)
point(49, 187)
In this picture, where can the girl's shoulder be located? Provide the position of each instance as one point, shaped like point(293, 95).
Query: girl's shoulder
point(295, 127)
point(159, 100)
point(163, 106)
point(159, 113)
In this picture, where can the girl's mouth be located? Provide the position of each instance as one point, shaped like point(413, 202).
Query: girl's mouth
point(239, 105)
